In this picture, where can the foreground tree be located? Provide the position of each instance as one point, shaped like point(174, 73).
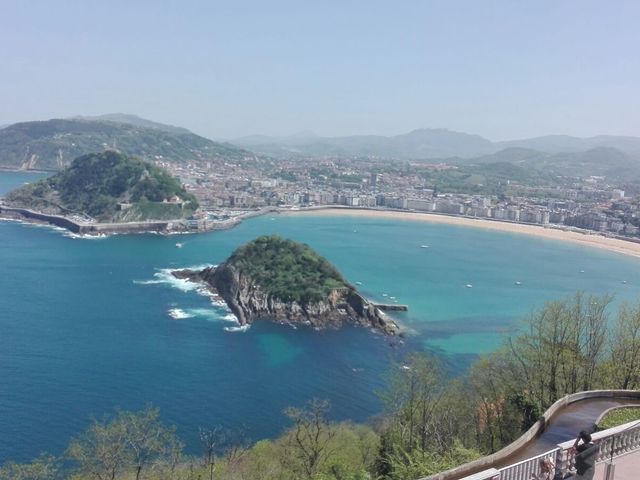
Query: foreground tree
point(623, 367)
point(130, 442)
point(427, 418)
point(559, 349)
point(147, 439)
point(308, 444)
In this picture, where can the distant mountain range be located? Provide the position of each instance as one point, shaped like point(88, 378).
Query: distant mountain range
point(53, 144)
point(609, 162)
point(425, 144)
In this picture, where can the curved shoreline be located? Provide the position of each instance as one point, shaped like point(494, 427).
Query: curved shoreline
point(552, 232)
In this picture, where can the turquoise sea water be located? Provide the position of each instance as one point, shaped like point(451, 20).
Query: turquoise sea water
point(85, 325)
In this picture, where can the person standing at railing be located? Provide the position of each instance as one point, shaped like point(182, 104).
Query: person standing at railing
point(547, 470)
point(586, 453)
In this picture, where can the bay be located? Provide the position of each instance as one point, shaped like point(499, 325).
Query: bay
point(85, 325)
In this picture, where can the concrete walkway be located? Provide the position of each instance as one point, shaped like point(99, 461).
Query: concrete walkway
point(627, 467)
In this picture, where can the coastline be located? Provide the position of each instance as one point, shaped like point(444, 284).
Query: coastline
point(105, 229)
point(589, 239)
point(166, 227)
point(553, 232)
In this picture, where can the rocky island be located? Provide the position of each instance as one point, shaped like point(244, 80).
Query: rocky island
point(99, 190)
point(284, 281)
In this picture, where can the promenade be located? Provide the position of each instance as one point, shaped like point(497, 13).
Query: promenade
point(627, 467)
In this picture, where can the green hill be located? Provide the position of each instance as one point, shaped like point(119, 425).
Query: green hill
point(109, 187)
point(287, 270)
point(52, 144)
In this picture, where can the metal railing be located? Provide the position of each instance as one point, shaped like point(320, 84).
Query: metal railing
point(526, 469)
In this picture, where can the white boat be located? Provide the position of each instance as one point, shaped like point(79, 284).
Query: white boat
point(518, 283)
point(358, 283)
point(468, 285)
point(385, 295)
point(424, 246)
point(179, 245)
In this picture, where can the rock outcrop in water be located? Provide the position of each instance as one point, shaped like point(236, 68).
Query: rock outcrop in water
point(284, 281)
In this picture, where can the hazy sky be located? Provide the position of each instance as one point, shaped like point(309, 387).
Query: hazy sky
point(501, 69)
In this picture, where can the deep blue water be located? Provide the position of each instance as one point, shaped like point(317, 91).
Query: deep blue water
point(84, 324)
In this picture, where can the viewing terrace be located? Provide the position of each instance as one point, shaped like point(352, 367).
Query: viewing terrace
point(553, 437)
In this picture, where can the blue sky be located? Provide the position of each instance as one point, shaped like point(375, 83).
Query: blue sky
point(501, 69)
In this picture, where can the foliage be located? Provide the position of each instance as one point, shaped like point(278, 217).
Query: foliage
point(95, 184)
point(619, 416)
point(287, 270)
point(45, 467)
point(413, 464)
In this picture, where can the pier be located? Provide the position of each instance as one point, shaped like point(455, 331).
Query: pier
point(385, 307)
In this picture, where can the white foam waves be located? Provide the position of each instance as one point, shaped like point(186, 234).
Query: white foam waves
point(178, 314)
point(164, 276)
point(219, 313)
point(79, 236)
point(240, 328)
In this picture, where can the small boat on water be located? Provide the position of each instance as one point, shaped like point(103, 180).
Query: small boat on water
point(424, 246)
point(179, 245)
point(468, 285)
point(385, 295)
point(358, 283)
point(581, 271)
point(518, 283)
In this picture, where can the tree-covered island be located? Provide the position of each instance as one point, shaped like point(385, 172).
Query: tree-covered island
point(285, 281)
point(107, 187)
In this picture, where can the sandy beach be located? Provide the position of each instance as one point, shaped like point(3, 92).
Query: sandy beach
point(590, 240)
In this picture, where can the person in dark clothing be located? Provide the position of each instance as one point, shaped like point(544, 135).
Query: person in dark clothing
point(586, 453)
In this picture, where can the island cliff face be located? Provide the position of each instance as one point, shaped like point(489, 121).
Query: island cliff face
point(331, 303)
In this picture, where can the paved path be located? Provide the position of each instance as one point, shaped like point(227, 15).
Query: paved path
point(627, 467)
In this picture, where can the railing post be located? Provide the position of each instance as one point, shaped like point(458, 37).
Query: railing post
point(609, 471)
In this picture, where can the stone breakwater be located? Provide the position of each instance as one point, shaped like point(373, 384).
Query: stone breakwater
point(86, 228)
point(249, 302)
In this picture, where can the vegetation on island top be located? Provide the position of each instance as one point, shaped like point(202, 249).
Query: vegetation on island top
point(287, 270)
point(430, 422)
point(100, 184)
